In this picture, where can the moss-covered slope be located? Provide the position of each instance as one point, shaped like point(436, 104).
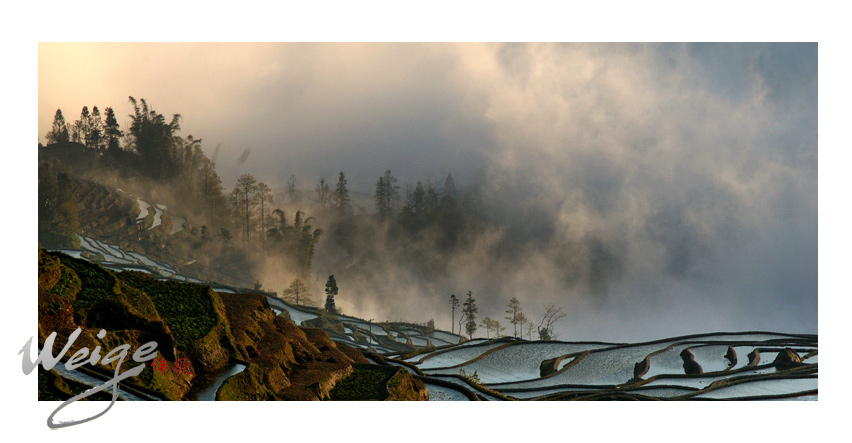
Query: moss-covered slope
point(191, 321)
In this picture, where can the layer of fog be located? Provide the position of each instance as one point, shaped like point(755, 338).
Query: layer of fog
point(677, 183)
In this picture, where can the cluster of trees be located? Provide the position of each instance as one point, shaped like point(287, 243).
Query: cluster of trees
point(425, 206)
point(151, 147)
point(338, 199)
point(270, 231)
point(515, 316)
point(97, 132)
point(468, 314)
point(298, 293)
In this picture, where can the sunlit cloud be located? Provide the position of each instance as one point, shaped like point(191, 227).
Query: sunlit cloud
point(659, 188)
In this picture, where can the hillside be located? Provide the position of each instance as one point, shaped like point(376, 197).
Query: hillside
point(191, 321)
point(268, 349)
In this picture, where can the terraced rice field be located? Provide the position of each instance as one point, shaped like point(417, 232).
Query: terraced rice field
point(718, 366)
point(525, 370)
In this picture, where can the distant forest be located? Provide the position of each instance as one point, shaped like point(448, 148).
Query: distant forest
point(245, 231)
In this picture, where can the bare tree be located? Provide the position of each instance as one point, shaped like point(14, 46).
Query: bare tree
point(297, 293)
point(552, 315)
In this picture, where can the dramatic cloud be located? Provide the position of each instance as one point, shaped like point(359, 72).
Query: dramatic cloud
point(649, 189)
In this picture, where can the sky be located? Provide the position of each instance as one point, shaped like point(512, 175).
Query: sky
point(687, 173)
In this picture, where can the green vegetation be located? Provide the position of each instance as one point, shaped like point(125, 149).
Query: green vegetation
point(68, 286)
point(98, 285)
point(186, 307)
point(367, 382)
point(247, 385)
point(326, 322)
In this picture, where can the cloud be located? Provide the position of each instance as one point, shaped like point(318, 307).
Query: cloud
point(660, 187)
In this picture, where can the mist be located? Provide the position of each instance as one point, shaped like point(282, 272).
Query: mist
point(650, 190)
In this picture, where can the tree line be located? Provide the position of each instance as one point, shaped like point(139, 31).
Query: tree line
point(515, 316)
point(151, 147)
point(417, 226)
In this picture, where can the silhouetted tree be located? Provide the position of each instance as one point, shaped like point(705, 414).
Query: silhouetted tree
point(341, 194)
point(209, 188)
point(469, 309)
point(153, 139)
point(95, 131)
point(245, 189)
point(112, 133)
point(330, 292)
point(323, 193)
point(80, 128)
point(552, 315)
point(387, 195)
point(59, 131)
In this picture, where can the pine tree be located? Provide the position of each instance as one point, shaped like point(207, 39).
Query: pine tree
point(80, 128)
point(381, 205)
point(469, 310)
point(59, 132)
point(387, 195)
point(95, 132)
point(341, 194)
point(111, 131)
point(330, 292)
